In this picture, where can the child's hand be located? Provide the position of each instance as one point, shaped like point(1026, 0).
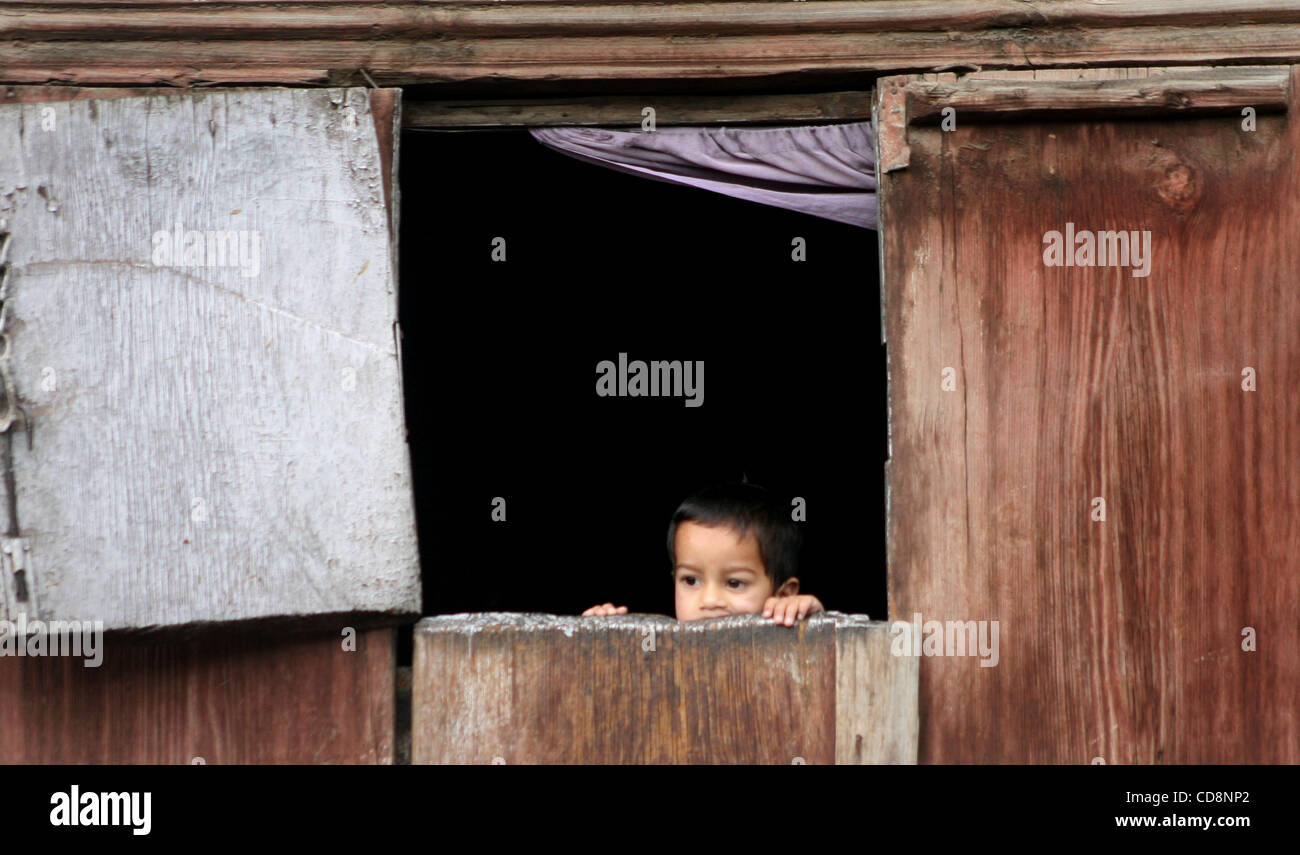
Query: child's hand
point(605, 610)
point(788, 609)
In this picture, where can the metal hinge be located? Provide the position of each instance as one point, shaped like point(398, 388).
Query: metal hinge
point(19, 592)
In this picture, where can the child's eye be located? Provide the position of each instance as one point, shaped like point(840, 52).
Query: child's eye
point(736, 584)
point(689, 580)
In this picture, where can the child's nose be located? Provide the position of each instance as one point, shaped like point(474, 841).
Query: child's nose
point(713, 595)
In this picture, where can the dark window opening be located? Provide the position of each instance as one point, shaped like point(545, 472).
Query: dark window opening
point(500, 368)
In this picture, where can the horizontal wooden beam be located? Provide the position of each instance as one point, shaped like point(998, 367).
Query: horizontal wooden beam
point(394, 63)
point(481, 114)
point(1009, 95)
point(1202, 91)
point(357, 19)
point(627, 111)
point(528, 42)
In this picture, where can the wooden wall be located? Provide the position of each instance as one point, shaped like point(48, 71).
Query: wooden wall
point(510, 688)
point(1121, 639)
point(223, 697)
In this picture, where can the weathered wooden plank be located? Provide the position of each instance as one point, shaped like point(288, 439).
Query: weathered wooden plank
point(890, 122)
point(642, 689)
point(278, 19)
point(1122, 639)
point(875, 700)
point(215, 699)
point(429, 20)
point(627, 111)
point(1220, 90)
point(220, 442)
point(455, 58)
point(32, 94)
point(386, 115)
point(595, 111)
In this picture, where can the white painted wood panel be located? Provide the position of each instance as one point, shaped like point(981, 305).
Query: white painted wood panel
point(211, 443)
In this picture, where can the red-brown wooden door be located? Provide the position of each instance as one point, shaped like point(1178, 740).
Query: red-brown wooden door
point(1022, 393)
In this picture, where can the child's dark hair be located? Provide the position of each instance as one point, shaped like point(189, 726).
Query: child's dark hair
point(745, 507)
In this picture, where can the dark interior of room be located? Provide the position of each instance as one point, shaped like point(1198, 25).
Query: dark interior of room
point(499, 365)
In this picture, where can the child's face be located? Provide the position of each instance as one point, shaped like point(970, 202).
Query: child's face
point(718, 573)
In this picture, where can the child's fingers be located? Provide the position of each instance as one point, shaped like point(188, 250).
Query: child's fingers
point(787, 610)
point(784, 612)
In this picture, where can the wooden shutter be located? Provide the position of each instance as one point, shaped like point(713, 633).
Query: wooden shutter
point(217, 441)
point(1122, 641)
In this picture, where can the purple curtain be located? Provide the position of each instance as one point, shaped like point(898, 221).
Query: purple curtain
point(824, 170)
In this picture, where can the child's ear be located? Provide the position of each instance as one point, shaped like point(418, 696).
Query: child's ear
point(789, 589)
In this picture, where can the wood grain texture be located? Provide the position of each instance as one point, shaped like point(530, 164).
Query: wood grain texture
point(447, 44)
point(641, 689)
point(890, 122)
point(626, 110)
point(875, 699)
point(210, 446)
point(1120, 639)
point(366, 18)
point(386, 114)
point(537, 112)
point(400, 62)
point(1224, 90)
point(167, 699)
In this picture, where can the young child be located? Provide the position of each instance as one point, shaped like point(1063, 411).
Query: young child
point(734, 551)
